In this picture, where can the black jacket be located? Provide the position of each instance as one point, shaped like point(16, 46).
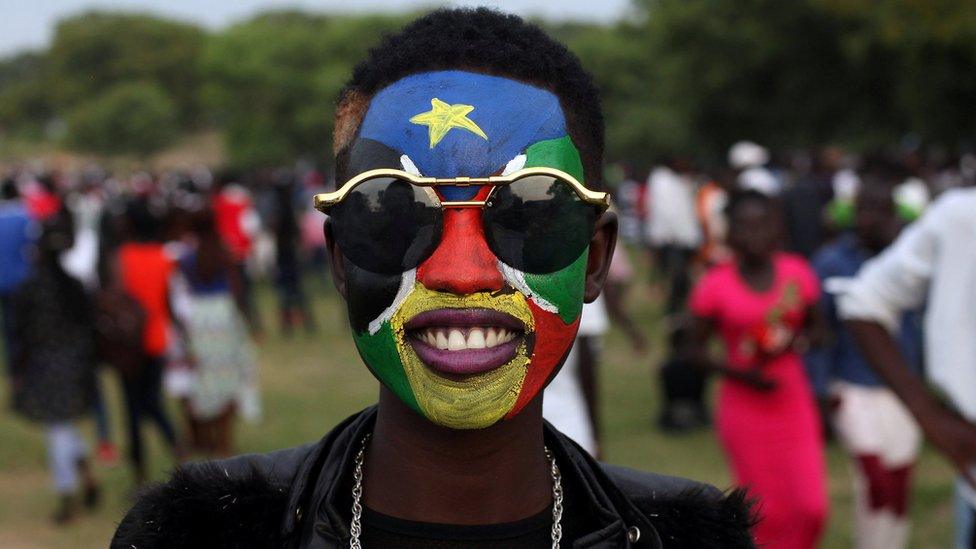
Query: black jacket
point(299, 497)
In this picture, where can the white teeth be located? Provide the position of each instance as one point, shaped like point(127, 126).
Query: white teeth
point(476, 339)
point(491, 339)
point(455, 341)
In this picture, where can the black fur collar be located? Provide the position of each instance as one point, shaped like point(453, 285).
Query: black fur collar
point(203, 506)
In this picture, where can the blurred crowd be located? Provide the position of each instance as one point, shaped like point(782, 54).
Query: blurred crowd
point(151, 276)
point(759, 253)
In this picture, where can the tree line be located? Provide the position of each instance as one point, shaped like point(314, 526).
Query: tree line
point(678, 77)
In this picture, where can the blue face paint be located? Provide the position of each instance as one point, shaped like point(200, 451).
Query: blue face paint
point(462, 124)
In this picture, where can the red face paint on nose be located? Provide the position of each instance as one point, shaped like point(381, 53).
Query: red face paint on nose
point(462, 264)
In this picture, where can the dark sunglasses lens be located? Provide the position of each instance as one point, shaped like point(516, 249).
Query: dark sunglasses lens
point(386, 225)
point(538, 224)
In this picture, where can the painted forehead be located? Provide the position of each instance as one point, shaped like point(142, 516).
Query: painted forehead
point(456, 123)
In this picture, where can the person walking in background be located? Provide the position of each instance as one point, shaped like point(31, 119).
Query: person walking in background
point(572, 398)
point(710, 202)
point(217, 338)
point(17, 235)
point(803, 205)
point(312, 236)
point(570, 402)
point(933, 262)
point(293, 305)
point(54, 370)
point(875, 429)
point(764, 306)
point(238, 224)
point(145, 269)
point(81, 262)
point(672, 228)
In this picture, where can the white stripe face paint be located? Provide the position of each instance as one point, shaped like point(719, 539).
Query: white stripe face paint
point(513, 276)
point(409, 166)
point(516, 279)
point(406, 286)
point(514, 165)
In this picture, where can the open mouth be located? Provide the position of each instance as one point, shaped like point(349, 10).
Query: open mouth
point(459, 342)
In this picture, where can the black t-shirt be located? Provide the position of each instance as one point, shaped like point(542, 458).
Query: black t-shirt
point(381, 531)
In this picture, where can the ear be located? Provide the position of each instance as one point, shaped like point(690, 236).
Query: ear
point(336, 259)
point(601, 251)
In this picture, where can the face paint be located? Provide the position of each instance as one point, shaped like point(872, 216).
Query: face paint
point(453, 124)
point(478, 400)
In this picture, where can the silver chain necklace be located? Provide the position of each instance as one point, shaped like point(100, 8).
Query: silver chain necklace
point(356, 527)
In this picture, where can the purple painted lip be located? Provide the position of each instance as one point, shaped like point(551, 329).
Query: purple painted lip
point(468, 361)
point(463, 318)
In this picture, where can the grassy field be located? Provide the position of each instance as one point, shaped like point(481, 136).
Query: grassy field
point(309, 382)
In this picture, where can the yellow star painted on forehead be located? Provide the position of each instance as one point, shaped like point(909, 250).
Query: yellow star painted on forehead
point(443, 117)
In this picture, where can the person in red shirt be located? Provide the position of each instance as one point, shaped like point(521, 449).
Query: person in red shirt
point(145, 269)
point(237, 224)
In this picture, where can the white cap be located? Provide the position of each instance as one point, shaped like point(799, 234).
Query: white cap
point(746, 154)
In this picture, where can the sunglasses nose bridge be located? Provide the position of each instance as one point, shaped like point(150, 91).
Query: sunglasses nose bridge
point(462, 264)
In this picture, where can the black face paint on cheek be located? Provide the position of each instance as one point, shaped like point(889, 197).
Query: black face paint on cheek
point(368, 294)
point(367, 154)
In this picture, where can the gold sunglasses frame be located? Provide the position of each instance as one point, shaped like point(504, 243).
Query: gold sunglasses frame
point(324, 201)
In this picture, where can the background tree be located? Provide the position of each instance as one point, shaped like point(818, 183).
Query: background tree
point(25, 104)
point(272, 81)
point(684, 77)
point(130, 118)
point(93, 52)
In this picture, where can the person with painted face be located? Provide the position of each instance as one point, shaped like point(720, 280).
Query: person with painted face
point(464, 242)
point(763, 304)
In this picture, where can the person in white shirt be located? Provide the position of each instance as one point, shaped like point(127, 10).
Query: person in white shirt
point(565, 404)
point(932, 262)
point(571, 400)
point(672, 229)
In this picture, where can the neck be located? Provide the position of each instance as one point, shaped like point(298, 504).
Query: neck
point(755, 265)
point(873, 246)
point(51, 260)
point(419, 471)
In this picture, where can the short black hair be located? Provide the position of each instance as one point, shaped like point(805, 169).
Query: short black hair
point(491, 42)
point(742, 197)
point(8, 189)
point(143, 224)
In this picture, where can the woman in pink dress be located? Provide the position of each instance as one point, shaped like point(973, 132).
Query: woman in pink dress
point(763, 306)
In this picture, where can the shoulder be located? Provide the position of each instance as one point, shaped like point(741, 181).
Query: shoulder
point(795, 266)
point(951, 207)
point(687, 513)
point(712, 290)
point(235, 502)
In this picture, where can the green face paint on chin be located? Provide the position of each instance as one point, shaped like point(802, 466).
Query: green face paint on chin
point(379, 352)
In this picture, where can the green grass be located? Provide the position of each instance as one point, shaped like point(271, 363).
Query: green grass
point(310, 382)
